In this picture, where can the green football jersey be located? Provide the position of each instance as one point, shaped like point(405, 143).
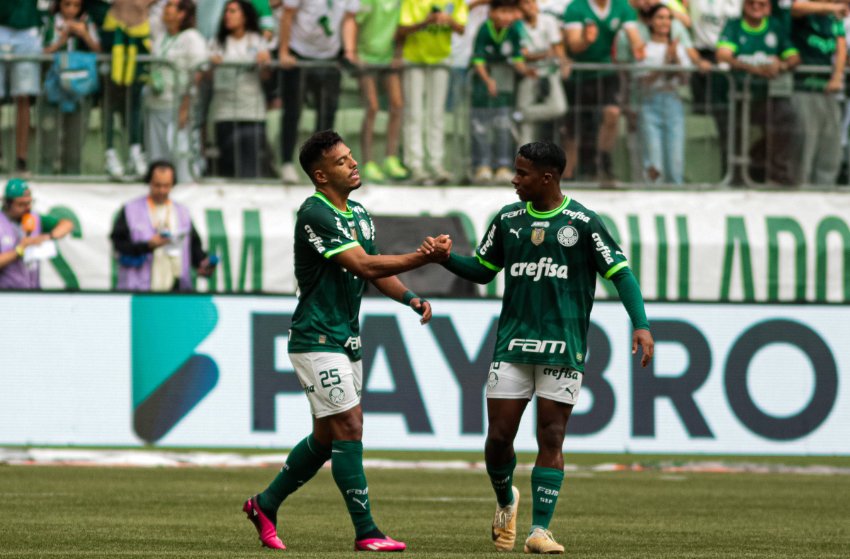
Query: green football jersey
point(757, 46)
point(496, 49)
point(608, 21)
point(817, 39)
point(327, 317)
point(550, 260)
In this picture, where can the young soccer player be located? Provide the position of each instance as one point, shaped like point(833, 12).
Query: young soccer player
point(551, 248)
point(335, 254)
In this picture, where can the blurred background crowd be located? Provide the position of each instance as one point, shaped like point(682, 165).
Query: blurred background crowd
point(639, 92)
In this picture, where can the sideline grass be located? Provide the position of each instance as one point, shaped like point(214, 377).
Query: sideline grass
point(195, 513)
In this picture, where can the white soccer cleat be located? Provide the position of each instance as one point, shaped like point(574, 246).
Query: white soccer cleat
point(504, 524)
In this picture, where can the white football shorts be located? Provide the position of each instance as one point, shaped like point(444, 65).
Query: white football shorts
point(331, 381)
point(517, 381)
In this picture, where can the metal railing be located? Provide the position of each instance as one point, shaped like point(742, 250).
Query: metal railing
point(718, 134)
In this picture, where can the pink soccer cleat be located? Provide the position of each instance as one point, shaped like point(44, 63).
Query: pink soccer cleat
point(265, 527)
point(379, 544)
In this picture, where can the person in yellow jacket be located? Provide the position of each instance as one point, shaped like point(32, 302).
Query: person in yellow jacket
point(426, 27)
point(126, 36)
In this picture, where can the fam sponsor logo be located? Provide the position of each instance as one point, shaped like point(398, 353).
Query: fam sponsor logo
point(314, 239)
point(537, 346)
point(602, 248)
point(353, 342)
point(509, 215)
point(543, 268)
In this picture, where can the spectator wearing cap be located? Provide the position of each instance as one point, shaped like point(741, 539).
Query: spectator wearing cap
point(155, 241)
point(21, 231)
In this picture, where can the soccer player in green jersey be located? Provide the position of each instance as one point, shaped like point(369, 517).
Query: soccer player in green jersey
point(551, 248)
point(335, 255)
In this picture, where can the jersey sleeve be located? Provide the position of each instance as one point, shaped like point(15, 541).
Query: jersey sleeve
point(627, 14)
point(516, 31)
point(491, 250)
point(607, 256)
point(479, 54)
point(786, 47)
point(324, 231)
point(727, 37)
point(574, 15)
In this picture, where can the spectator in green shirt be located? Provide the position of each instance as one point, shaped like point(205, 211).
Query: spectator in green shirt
point(377, 23)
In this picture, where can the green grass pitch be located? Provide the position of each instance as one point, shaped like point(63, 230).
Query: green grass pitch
point(91, 512)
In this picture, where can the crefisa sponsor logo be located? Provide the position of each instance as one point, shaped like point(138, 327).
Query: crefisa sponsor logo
point(602, 248)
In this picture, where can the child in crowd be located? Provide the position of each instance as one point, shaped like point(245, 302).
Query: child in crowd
point(498, 42)
point(68, 29)
point(542, 99)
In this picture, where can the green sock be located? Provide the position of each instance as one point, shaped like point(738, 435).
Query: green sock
point(301, 465)
point(502, 479)
point(545, 486)
point(347, 468)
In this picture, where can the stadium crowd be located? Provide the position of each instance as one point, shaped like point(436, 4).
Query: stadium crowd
point(221, 68)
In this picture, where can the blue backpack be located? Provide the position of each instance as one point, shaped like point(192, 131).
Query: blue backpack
point(72, 76)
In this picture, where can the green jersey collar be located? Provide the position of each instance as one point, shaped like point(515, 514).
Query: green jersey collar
point(545, 215)
point(754, 30)
point(323, 198)
point(498, 35)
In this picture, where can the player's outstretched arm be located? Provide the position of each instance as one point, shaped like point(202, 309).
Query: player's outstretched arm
point(469, 268)
point(372, 267)
point(629, 290)
point(394, 289)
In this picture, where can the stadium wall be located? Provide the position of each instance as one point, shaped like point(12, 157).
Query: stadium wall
point(742, 246)
point(212, 371)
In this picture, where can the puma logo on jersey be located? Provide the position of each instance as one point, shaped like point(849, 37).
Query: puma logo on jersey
point(516, 231)
point(359, 502)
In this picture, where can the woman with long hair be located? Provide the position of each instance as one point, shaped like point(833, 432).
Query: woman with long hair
point(662, 115)
point(238, 104)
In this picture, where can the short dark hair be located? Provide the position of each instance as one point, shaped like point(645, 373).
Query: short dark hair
point(545, 154)
point(160, 164)
point(503, 4)
point(314, 149)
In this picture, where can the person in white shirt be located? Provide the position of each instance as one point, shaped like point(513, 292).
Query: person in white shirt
point(170, 91)
point(543, 48)
point(662, 115)
point(238, 104)
point(709, 91)
point(313, 31)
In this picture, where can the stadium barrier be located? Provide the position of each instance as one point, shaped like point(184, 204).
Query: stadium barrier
point(213, 371)
point(726, 135)
point(724, 245)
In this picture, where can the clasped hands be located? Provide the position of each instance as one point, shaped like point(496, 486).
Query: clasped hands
point(436, 249)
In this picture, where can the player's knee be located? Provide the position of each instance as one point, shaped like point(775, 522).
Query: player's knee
point(551, 436)
point(347, 427)
point(499, 437)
